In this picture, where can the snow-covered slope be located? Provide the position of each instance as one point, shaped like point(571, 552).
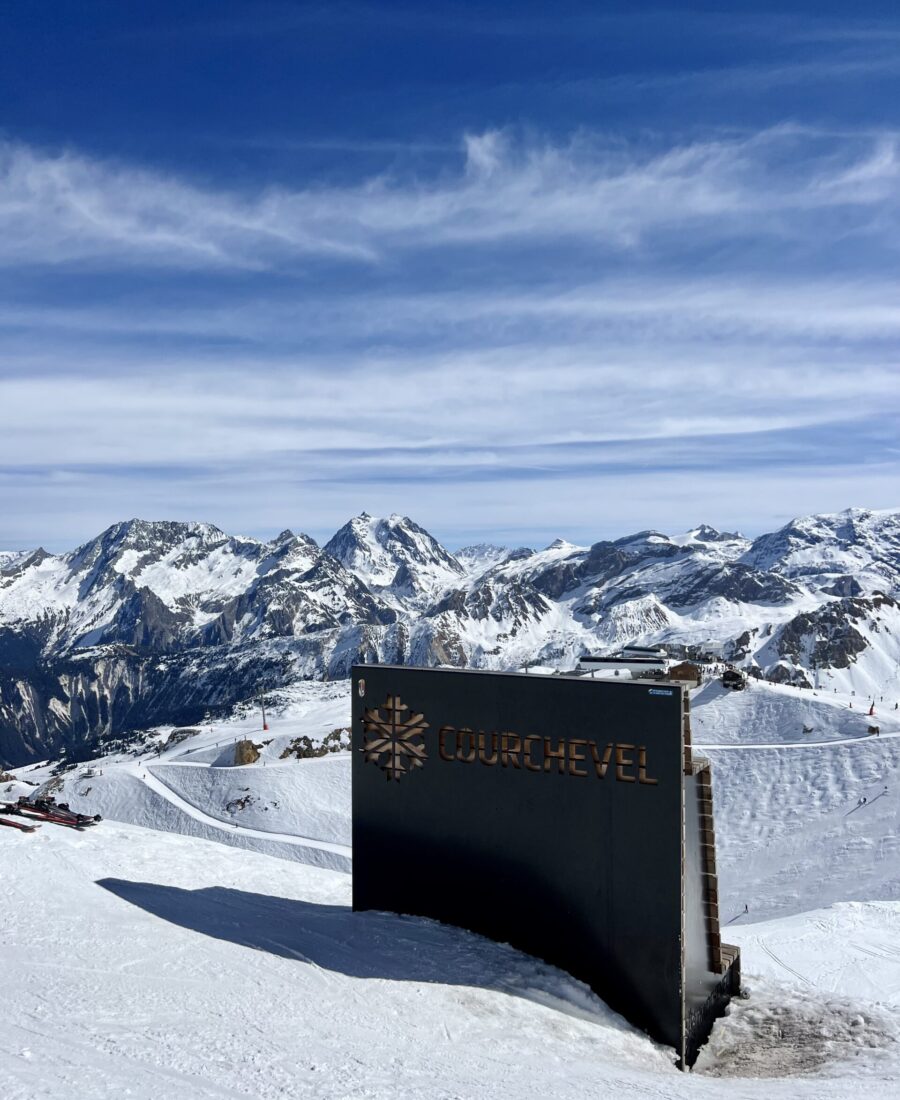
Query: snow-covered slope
point(214, 970)
point(163, 965)
point(773, 714)
point(825, 549)
point(790, 767)
point(187, 780)
point(212, 973)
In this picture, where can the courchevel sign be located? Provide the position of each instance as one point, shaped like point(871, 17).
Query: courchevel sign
point(566, 816)
point(393, 741)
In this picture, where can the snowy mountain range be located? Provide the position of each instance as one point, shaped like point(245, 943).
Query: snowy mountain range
point(160, 622)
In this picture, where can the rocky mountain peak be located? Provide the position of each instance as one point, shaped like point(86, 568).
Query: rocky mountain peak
point(705, 533)
point(148, 538)
point(644, 539)
point(394, 551)
point(15, 562)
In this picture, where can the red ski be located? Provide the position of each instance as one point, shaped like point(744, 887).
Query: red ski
point(55, 819)
point(20, 825)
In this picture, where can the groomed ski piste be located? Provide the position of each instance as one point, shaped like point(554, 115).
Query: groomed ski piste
point(199, 943)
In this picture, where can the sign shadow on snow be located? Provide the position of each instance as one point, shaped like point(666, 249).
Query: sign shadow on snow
point(366, 945)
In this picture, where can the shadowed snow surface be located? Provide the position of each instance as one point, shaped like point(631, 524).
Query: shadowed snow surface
point(145, 965)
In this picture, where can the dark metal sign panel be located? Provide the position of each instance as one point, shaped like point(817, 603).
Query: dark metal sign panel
point(546, 812)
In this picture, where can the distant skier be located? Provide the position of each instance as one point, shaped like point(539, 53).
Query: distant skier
point(746, 908)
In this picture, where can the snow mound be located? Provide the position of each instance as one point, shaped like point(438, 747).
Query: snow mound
point(310, 797)
point(771, 714)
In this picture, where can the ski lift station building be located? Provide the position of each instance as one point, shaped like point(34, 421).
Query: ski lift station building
point(630, 661)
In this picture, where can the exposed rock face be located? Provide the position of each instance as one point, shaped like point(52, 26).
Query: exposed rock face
point(303, 748)
point(162, 622)
point(786, 674)
point(245, 752)
point(178, 735)
point(514, 601)
point(843, 586)
point(736, 582)
point(741, 646)
point(828, 637)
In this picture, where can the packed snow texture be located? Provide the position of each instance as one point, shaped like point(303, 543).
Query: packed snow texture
point(144, 965)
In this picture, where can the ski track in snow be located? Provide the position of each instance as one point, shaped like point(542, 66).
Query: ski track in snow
point(794, 744)
point(151, 780)
point(313, 791)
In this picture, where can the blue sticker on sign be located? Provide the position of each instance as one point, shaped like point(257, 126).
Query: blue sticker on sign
point(661, 691)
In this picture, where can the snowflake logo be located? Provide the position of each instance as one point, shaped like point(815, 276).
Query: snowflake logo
point(394, 738)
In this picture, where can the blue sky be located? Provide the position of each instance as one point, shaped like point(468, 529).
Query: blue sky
point(516, 271)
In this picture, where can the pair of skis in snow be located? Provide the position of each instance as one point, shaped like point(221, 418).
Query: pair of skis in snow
point(44, 809)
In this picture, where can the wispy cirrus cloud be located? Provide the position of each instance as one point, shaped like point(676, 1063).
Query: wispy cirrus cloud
point(741, 311)
point(65, 208)
point(501, 411)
